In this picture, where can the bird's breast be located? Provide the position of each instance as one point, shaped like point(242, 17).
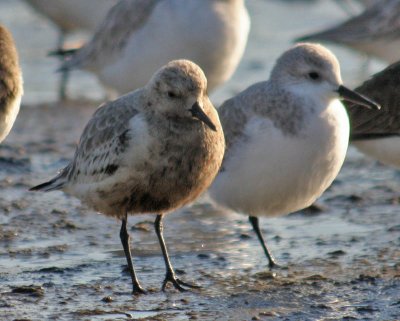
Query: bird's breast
point(272, 173)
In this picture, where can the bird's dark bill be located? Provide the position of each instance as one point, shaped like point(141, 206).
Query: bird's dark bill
point(198, 113)
point(356, 98)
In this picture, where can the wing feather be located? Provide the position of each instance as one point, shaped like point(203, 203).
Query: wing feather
point(379, 20)
point(123, 19)
point(384, 88)
point(103, 141)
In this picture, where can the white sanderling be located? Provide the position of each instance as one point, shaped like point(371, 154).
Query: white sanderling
point(139, 36)
point(377, 134)
point(70, 16)
point(11, 83)
point(376, 31)
point(286, 137)
point(150, 151)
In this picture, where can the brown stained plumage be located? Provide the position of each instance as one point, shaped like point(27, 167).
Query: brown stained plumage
point(150, 151)
point(10, 82)
point(384, 88)
point(179, 158)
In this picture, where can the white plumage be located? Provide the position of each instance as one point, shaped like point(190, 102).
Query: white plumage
point(139, 36)
point(286, 137)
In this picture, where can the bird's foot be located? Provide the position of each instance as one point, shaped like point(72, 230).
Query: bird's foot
point(137, 289)
point(274, 265)
point(177, 283)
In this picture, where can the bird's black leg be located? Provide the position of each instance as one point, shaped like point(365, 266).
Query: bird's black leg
point(170, 274)
point(254, 222)
point(124, 235)
point(62, 88)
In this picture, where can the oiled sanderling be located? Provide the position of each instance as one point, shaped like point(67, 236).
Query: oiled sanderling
point(375, 32)
point(11, 82)
point(150, 151)
point(377, 133)
point(138, 37)
point(69, 16)
point(286, 137)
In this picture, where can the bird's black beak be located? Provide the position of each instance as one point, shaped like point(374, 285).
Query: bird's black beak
point(356, 98)
point(198, 113)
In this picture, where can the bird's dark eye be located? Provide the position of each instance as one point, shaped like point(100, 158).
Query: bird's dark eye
point(314, 75)
point(171, 94)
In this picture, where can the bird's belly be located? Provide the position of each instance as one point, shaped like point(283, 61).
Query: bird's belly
point(385, 150)
point(276, 174)
point(150, 187)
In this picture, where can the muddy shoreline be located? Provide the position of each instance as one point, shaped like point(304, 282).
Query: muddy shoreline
point(61, 261)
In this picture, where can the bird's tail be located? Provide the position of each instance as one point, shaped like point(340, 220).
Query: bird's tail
point(65, 55)
point(60, 52)
point(54, 184)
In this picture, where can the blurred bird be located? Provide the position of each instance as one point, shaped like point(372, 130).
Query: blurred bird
point(377, 133)
point(286, 137)
point(10, 82)
point(353, 7)
point(139, 36)
point(375, 32)
point(150, 151)
point(70, 16)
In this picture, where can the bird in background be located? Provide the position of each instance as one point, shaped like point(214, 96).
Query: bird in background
point(375, 32)
point(138, 36)
point(70, 16)
point(353, 7)
point(11, 84)
point(377, 133)
point(286, 137)
point(151, 151)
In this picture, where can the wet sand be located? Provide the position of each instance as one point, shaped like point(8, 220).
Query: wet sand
point(61, 261)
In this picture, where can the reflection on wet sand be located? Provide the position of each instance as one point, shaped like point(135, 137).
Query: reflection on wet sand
point(57, 255)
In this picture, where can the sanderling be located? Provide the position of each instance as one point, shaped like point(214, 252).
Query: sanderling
point(70, 16)
point(286, 137)
point(377, 134)
point(11, 83)
point(137, 37)
point(150, 151)
point(375, 32)
point(353, 7)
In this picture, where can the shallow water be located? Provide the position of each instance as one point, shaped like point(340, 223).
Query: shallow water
point(60, 261)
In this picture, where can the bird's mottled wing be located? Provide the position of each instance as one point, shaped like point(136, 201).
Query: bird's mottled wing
point(233, 120)
point(123, 19)
point(103, 141)
point(264, 101)
point(384, 88)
